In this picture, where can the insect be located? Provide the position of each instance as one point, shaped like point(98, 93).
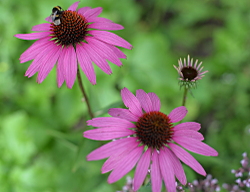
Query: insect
point(56, 15)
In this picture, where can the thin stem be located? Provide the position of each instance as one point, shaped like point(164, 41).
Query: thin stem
point(184, 96)
point(84, 93)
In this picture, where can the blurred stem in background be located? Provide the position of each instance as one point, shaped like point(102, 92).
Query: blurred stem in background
point(184, 96)
point(84, 93)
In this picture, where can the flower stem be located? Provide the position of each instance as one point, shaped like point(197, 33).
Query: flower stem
point(84, 93)
point(184, 96)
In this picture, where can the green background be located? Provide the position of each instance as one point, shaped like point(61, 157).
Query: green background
point(41, 126)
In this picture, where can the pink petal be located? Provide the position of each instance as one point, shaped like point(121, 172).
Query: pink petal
point(41, 27)
point(125, 165)
point(73, 6)
point(92, 12)
point(131, 102)
point(123, 114)
point(60, 68)
point(97, 59)
point(83, 10)
point(156, 104)
point(196, 146)
point(142, 169)
point(188, 133)
point(105, 26)
point(188, 159)
point(177, 114)
point(110, 38)
point(85, 63)
point(103, 134)
point(111, 148)
point(33, 36)
point(114, 160)
point(156, 177)
point(177, 167)
point(70, 66)
point(98, 20)
point(167, 171)
point(188, 126)
point(110, 122)
point(48, 19)
point(144, 100)
point(48, 63)
point(117, 51)
point(103, 50)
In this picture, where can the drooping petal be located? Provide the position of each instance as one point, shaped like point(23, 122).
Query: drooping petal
point(32, 36)
point(156, 104)
point(99, 20)
point(73, 6)
point(105, 26)
point(167, 170)
point(177, 167)
point(188, 126)
point(188, 159)
point(196, 146)
point(110, 122)
point(70, 66)
point(117, 51)
point(103, 134)
point(41, 27)
point(93, 12)
point(144, 100)
point(123, 114)
point(142, 169)
point(187, 133)
point(60, 68)
point(103, 50)
point(111, 148)
point(177, 114)
point(125, 165)
point(110, 38)
point(85, 63)
point(155, 173)
point(131, 102)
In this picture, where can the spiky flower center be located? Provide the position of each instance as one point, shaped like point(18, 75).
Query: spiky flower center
point(189, 73)
point(154, 129)
point(71, 30)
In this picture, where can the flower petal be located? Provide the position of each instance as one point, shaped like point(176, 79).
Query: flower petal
point(73, 6)
point(111, 148)
point(85, 63)
point(99, 20)
point(196, 146)
point(93, 12)
point(105, 26)
point(125, 165)
point(110, 38)
point(123, 114)
point(131, 102)
point(60, 68)
point(188, 159)
point(167, 170)
point(83, 10)
point(156, 103)
point(142, 169)
point(103, 134)
point(177, 114)
point(41, 27)
point(188, 126)
point(155, 173)
point(182, 134)
point(33, 36)
point(110, 122)
point(117, 51)
point(144, 100)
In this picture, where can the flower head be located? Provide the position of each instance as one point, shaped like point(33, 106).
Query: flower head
point(189, 73)
point(69, 39)
point(144, 137)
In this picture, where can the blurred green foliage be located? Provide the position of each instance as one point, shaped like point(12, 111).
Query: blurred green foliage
point(42, 148)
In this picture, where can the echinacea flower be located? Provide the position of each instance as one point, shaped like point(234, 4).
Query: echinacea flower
point(189, 73)
point(77, 36)
point(144, 137)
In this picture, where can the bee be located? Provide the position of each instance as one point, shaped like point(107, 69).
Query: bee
point(56, 15)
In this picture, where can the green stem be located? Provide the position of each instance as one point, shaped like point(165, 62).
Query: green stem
point(184, 96)
point(84, 93)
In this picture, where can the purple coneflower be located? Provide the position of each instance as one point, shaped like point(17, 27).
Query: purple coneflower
point(77, 36)
point(189, 73)
point(144, 137)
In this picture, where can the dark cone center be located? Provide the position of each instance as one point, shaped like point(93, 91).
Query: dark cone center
point(189, 73)
point(154, 129)
point(71, 30)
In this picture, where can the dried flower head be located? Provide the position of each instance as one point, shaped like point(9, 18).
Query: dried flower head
point(189, 73)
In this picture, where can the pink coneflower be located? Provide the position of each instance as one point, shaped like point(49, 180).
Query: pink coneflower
point(77, 36)
point(144, 137)
point(189, 73)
